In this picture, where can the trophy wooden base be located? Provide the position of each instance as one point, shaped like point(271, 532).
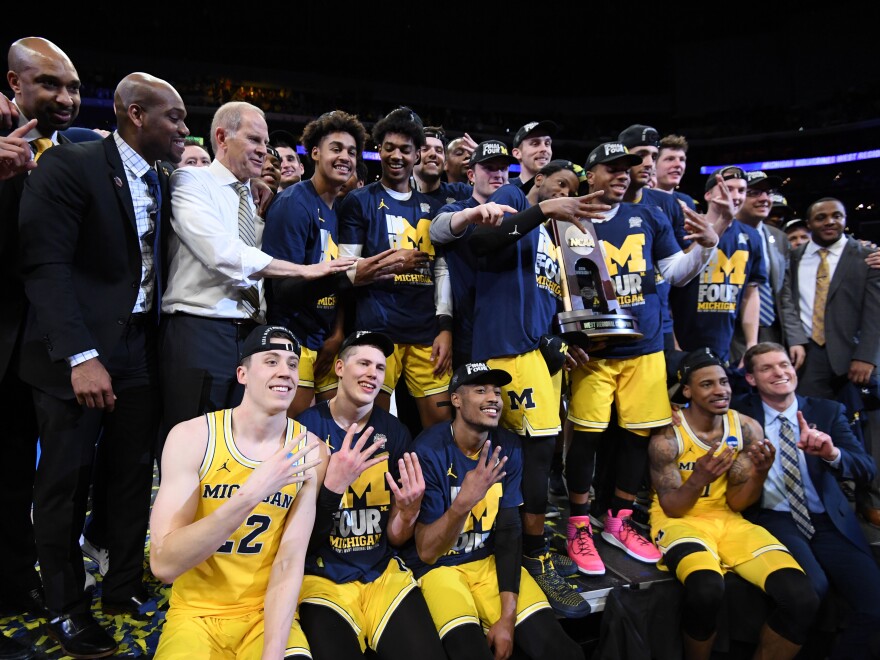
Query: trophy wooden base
point(587, 329)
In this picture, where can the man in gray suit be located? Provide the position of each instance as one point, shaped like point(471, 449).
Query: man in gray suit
point(778, 319)
point(841, 334)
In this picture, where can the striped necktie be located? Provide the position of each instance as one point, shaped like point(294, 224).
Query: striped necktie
point(767, 312)
point(151, 178)
point(247, 234)
point(791, 474)
point(40, 145)
point(822, 281)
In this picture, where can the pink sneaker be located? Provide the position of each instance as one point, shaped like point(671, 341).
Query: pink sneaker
point(581, 548)
point(621, 532)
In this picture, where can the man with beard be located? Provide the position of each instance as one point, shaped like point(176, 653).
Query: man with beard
point(429, 168)
point(46, 90)
point(704, 473)
point(91, 226)
point(467, 537)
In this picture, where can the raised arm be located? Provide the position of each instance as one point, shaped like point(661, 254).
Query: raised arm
point(407, 499)
point(178, 542)
point(745, 480)
point(677, 496)
point(435, 539)
point(285, 579)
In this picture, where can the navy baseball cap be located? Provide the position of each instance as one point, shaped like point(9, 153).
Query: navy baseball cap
point(478, 373)
point(794, 223)
point(762, 180)
point(367, 338)
point(489, 150)
point(261, 339)
point(639, 135)
point(727, 173)
point(543, 127)
point(697, 359)
point(611, 152)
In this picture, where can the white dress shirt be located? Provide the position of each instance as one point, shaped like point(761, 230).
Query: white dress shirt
point(209, 263)
point(807, 268)
point(144, 213)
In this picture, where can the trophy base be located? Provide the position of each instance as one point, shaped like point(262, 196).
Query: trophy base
point(588, 329)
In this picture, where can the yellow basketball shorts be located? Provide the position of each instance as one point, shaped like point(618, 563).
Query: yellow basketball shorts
point(731, 542)
point(188, 637)
point(414, 363)
point(307, 372)
point(366, 606)
point(531, 399)
point(468, 593)
point(636, 385)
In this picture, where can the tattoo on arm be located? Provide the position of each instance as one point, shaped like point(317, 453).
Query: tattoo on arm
point(663, 454)
point(740, 471)
point(747, 433)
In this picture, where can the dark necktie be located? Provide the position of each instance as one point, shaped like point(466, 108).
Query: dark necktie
point(767, 312)
point(248, 235)
point(791, 474)
point(152, 180)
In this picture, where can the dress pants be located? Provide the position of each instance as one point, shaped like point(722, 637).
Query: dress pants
point(18, 439)
point(198, 365)
point(68, 436)
point(830, 559)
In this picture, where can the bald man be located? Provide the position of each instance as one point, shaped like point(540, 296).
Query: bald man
point(91, 224)
point(45, 101)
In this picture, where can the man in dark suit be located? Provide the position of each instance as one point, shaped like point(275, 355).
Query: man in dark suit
point(841, 334)
point(778, 319)
point(92, 263)
point(830, 545)
point(45, 85)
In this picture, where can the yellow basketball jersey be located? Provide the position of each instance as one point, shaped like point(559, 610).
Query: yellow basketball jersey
point(234, 579)
point(690, 448)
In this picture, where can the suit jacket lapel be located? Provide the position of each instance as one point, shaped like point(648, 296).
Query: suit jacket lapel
point(794, 265)
point(841, 272)
point(814, 467)
point(119, 179)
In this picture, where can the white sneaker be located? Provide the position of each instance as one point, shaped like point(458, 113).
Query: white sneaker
point(100, 556)
point(91, 583)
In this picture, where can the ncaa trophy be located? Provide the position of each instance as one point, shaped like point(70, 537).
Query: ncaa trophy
point(592, 317)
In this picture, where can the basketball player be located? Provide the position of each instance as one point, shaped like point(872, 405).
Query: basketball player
point(231, 521)
point(468, 536)
point(705, 472)
point(356, 592)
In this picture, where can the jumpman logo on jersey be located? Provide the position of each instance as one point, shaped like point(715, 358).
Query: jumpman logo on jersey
point(327, 442)
point(514, 232)
point(320, 219)
point(223, 467)
point(450, 473)
point(383, 205)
